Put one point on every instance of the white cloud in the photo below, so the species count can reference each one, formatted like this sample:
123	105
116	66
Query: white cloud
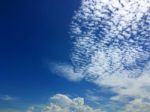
65	70
62	103
93	96
137	88
111	47
106	40
7	98
137	106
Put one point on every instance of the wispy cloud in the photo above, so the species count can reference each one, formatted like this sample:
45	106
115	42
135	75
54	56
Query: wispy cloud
7	98
11	110
93	96
66	70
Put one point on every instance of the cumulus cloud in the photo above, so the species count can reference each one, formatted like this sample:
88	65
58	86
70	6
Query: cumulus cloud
62	103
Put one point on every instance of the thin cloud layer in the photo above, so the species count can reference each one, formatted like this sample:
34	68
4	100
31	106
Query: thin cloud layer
11	110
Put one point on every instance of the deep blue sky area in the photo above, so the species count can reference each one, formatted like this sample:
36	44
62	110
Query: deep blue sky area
34	33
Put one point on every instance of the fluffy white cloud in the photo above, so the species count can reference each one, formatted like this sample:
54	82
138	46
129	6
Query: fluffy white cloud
62	103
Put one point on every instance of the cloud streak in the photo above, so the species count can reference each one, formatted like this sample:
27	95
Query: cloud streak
7	98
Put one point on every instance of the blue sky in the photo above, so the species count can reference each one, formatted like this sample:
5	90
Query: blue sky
67	53
33	33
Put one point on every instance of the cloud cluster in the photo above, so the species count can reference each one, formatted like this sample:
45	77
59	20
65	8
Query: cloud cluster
112	49
111	36
62	103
